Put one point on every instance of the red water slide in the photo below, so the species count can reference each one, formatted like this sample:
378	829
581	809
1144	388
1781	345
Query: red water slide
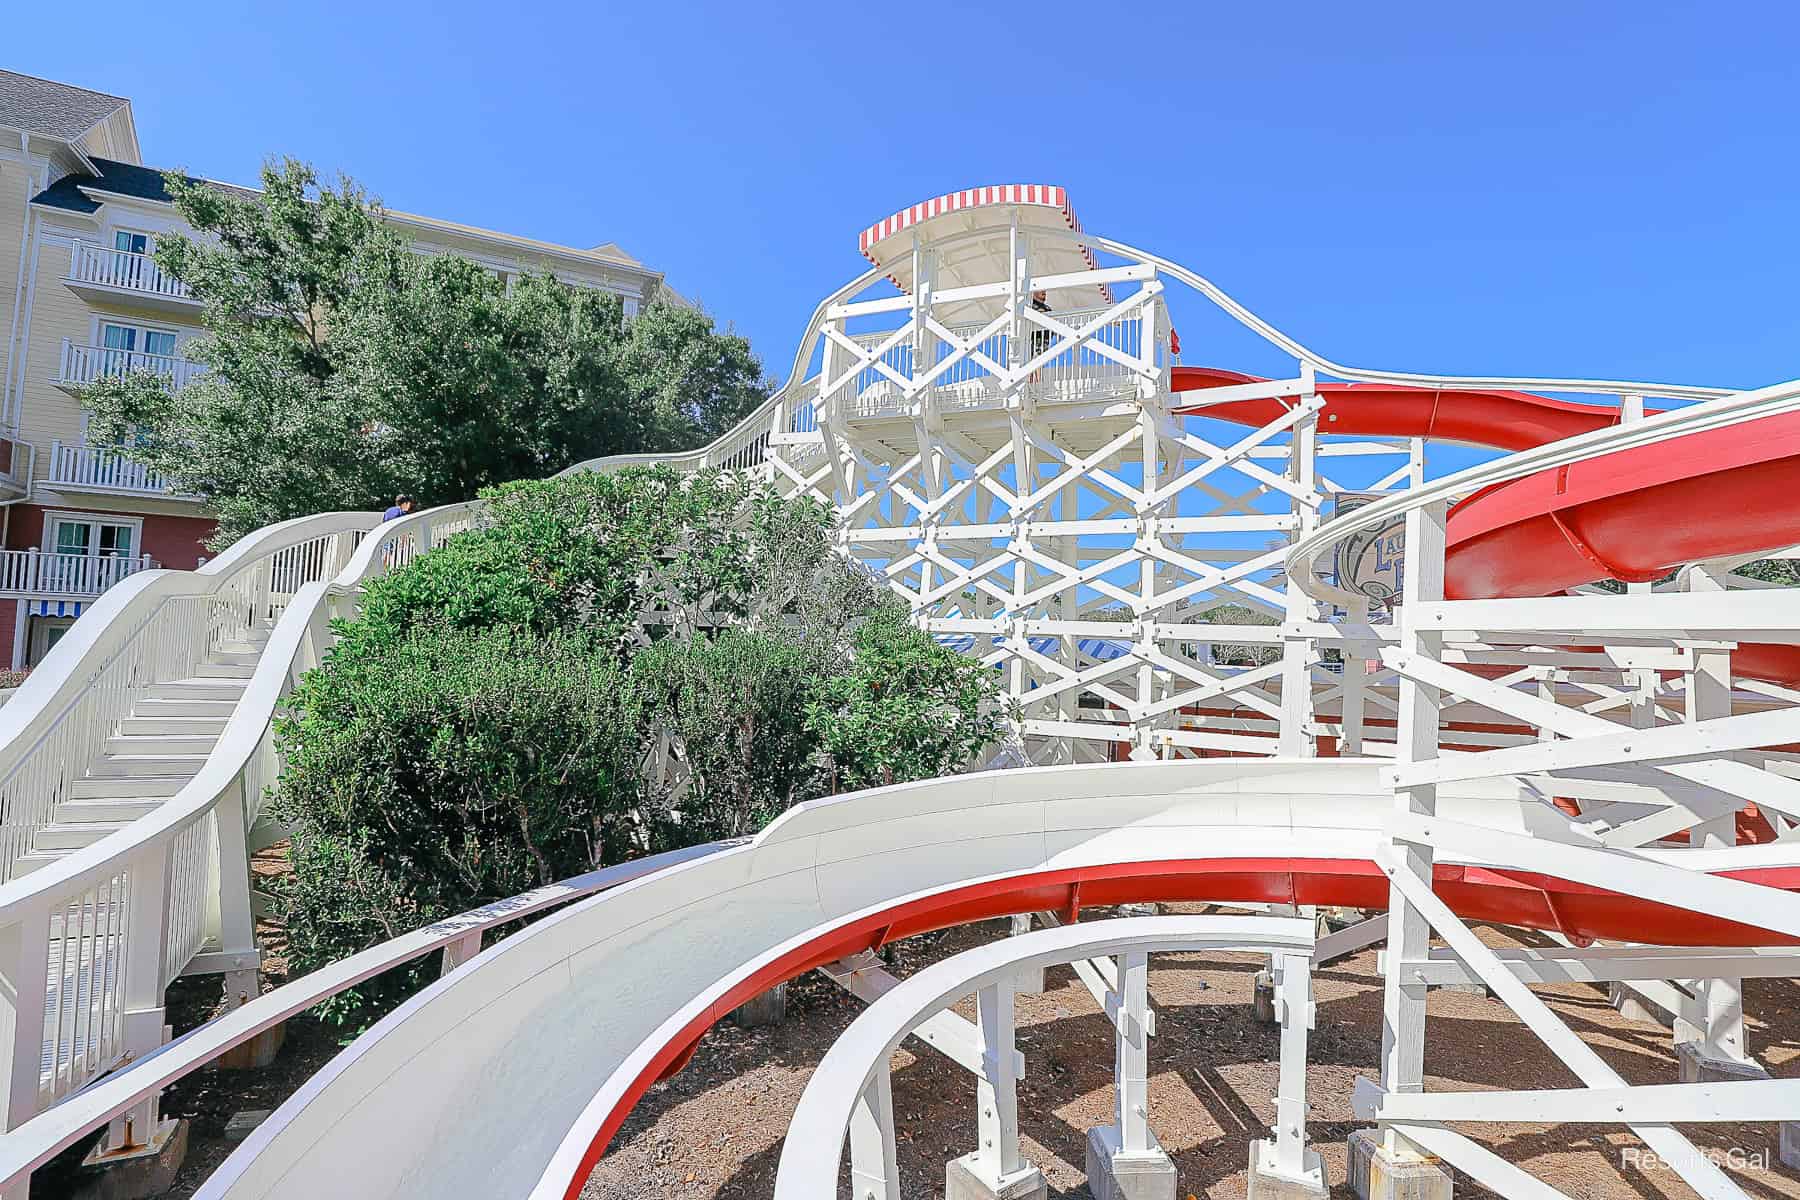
1632	515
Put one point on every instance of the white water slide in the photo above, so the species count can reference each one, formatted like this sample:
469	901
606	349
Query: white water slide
997	414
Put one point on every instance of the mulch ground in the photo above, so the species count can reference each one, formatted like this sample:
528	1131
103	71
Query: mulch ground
714	1131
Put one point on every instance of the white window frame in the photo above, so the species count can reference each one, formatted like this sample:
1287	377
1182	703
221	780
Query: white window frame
97	336
148	235
52	516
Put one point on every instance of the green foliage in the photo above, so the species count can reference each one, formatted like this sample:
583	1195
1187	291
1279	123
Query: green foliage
446	771
1782	571
905	708
595	551
607	666
344	367
731	711
1241	654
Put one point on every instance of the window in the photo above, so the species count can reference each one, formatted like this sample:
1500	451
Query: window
130	266
130	347
92	535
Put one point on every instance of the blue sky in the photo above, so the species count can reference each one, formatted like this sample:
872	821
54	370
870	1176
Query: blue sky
1583	189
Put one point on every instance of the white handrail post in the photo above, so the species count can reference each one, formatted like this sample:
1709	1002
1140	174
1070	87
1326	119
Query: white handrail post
141	1025
874	1160
460	951
237	924
1409	934
24	971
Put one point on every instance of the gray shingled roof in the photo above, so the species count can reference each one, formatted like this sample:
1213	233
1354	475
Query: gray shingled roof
53	109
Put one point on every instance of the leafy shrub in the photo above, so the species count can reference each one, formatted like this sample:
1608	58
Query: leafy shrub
904	708
596	551
447	771
729	712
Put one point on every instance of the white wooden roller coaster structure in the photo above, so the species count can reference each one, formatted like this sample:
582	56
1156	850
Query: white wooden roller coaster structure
1260	655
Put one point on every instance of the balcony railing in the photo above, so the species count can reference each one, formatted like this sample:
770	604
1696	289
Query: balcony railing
103	468
82	365
34	572
98	266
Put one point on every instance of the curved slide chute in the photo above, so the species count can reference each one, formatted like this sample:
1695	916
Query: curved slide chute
1632	515
567	1024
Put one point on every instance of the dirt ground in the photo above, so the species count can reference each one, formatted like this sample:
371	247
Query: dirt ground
714	1131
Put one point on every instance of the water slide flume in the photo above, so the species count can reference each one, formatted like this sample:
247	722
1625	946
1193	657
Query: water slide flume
1632	514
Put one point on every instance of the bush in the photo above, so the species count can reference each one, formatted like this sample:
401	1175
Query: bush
594	552
905	708
729	714
609	666
448	771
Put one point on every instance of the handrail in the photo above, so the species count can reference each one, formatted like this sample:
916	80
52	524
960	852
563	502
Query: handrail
249	720
1733	408
40	1139
809	1165
135	906
764	413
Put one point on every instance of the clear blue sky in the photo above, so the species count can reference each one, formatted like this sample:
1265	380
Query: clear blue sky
1592	188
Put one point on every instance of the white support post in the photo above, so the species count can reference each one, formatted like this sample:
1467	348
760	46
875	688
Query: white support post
1124	1158
1409	934
1355	690
1296	737
1131	1066
874	1161
1285	1159
997	1093
996	1169
141	1022
1722	1044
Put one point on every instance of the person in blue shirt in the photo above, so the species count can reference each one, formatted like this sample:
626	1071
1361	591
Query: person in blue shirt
403	504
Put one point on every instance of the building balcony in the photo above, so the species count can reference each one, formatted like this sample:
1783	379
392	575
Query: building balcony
37	573
98	274
83	365
107	470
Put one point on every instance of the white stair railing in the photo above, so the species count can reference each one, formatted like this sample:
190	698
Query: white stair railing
89	941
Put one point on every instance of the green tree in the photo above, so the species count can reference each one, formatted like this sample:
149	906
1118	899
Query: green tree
607	666
904	708
450	770
343	367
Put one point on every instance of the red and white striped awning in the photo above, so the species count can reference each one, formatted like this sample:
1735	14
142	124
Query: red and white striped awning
888	243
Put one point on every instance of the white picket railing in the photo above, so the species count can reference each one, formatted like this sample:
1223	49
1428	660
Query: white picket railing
121	269
82	365
106	467
89	941
47	573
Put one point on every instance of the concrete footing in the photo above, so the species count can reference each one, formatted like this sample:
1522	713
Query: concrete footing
770	1008
1633	1007
1376	1174
1266	1183
242	1124
1262	997
1030	980
1790	1144
1697	1066
138	1174
1113	1174
964	1181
